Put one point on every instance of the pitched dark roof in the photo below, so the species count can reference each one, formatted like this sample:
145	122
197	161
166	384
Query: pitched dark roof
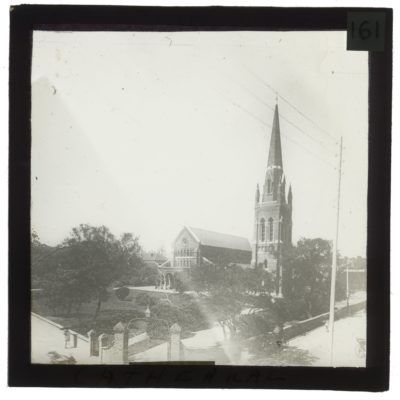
223	240
275	148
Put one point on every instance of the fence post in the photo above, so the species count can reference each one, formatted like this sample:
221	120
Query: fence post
103	343
120	348
93	344
174	345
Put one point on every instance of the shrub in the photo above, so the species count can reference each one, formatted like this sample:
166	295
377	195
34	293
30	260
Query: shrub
122	293
256	324
189	316
144	299
180	286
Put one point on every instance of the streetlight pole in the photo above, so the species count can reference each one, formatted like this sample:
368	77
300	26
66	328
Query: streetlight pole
334	261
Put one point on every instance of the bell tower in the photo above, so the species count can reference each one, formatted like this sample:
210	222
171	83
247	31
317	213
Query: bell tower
273	210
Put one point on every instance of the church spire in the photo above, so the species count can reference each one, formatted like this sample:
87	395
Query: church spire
257	194
290	196
275	149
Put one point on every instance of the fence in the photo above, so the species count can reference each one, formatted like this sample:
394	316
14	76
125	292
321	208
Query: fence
302	327
52	343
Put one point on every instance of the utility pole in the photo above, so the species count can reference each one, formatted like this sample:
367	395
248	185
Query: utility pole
256	246
279	260
334	261
347	285
256	215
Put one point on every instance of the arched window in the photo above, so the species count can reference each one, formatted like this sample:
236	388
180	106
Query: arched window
262	229
269	188
271	229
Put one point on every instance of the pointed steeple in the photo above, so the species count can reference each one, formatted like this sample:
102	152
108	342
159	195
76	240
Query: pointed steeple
257	194
283	187
275	149
290	195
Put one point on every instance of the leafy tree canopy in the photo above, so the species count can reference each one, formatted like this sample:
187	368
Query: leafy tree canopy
85	265
307	277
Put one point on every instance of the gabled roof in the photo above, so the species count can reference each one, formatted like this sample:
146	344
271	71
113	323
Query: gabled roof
216	239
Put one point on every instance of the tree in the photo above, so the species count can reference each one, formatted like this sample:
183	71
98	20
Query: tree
144	299
307	272
182	282
39	253
221	288
87	264
135	270
187	314
229	289
258	282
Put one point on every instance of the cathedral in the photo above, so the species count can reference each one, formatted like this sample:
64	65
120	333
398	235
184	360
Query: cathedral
272	209
272	229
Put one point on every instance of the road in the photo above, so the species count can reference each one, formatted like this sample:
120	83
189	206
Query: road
346	332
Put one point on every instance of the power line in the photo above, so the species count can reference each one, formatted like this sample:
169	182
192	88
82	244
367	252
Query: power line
291	104
308	151
251	114
280	114
285	136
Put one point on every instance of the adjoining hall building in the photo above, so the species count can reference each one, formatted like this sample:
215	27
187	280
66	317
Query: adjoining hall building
272	228
194	247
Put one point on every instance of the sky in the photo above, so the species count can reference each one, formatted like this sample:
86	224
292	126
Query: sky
146	132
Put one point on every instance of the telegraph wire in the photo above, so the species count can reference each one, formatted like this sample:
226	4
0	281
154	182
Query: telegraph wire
291	104
280	114
284	135
308	151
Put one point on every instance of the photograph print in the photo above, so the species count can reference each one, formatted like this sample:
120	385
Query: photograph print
198	196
